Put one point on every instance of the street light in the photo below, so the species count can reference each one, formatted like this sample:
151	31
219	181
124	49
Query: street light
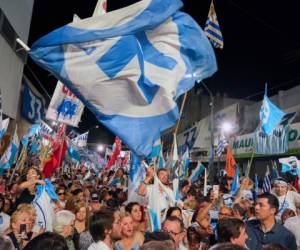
226	127
100	148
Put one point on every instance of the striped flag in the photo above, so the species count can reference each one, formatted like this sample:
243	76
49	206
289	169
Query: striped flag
212	28
221	146
267	182
196	173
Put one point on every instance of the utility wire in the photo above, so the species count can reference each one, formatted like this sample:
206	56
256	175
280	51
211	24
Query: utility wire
272	88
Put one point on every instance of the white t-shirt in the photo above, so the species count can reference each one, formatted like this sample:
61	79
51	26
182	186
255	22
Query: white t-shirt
288	201
4	222
100	245
163	199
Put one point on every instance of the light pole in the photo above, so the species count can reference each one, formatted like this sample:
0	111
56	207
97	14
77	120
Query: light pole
212	128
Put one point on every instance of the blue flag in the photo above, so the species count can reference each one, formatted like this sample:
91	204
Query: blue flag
235	186
129	66
256	187
270	115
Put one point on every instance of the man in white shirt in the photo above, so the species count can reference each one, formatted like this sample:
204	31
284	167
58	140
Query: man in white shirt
164	199
104	226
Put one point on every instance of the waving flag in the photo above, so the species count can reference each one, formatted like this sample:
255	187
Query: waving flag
81	140
128	66
230	163
221	146
235	186
3	128
9	155
212	28
267	182
290	164
270	115
64	107
196	173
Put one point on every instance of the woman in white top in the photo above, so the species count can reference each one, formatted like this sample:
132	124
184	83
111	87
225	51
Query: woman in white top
287	198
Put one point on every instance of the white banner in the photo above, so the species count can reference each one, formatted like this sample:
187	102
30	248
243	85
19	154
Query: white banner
244	144
65	107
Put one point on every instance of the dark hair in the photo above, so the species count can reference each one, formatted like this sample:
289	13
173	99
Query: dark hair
184	183
272	200
173	218
170	211
228	228
5	243
160	170
157	236
241	211
2	200
227	246
194	237
130	205
274	246
159	245
47	241
99	222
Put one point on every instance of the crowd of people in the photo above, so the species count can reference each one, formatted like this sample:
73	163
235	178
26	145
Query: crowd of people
95	213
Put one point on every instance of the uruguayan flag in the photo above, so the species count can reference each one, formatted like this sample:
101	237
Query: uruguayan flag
9	155
4	127
212	28
221	146
196	173
128	66
270	115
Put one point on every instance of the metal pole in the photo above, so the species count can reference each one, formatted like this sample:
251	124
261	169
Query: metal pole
212	127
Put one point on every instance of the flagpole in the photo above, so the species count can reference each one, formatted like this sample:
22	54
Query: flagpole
178	122
18	163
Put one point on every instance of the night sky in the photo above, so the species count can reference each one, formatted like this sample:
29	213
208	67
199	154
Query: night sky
261	43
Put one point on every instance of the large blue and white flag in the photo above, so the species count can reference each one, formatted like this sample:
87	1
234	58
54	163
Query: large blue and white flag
270	115
9	155
196	173
128	66
4	127
212	28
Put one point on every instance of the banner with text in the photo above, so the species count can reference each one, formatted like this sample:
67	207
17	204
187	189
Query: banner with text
32	104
